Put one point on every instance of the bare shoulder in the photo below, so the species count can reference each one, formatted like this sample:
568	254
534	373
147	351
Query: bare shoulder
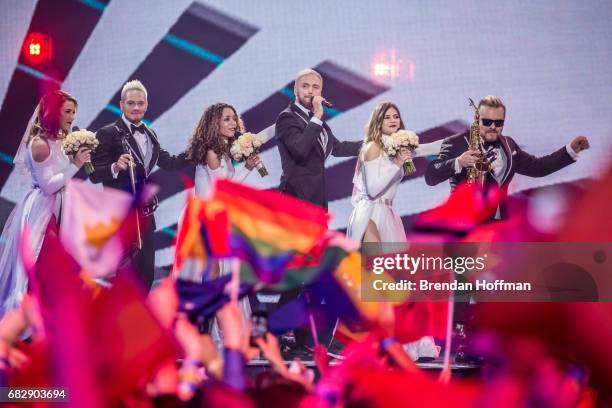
212	160
372	151
40	149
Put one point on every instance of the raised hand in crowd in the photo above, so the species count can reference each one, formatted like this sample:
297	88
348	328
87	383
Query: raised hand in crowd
235	335
163	302
389	344
14	324
321	358
270	349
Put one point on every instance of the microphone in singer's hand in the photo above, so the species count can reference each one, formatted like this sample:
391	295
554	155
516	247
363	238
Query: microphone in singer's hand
326	103
76	128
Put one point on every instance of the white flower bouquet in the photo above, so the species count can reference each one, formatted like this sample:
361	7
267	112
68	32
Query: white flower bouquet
399	139
80	138
246	145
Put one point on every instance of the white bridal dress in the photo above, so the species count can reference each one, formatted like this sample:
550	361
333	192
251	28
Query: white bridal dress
44	200
374	189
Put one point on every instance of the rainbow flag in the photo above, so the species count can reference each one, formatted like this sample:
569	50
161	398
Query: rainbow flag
202	300
324	257
343	294
340	289
266	228
199	238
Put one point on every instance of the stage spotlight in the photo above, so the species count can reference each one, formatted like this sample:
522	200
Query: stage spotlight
388	65
38	48
381	69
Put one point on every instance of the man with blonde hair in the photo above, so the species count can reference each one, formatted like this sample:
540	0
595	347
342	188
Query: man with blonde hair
305	141
506	157
130	140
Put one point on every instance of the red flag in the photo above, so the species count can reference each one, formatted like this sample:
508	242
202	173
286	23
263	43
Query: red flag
467	207
64	305
380	387
129	341
573	332
414	320
588	220
102	347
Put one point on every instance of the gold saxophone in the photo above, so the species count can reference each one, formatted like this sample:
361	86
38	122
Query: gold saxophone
477	172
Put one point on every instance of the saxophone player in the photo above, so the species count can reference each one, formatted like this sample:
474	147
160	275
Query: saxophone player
505	155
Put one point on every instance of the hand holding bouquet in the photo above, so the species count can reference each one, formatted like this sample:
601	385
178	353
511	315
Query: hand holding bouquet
245	146
78	139
402	139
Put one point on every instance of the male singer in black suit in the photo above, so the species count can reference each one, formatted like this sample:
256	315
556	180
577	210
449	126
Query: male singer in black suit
509	158
127	140
305	141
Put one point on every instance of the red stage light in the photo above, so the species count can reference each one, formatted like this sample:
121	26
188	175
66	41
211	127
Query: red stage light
38	48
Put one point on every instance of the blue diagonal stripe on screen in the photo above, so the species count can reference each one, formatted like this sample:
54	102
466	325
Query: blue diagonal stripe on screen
6	158
288	93
200	40
113	108
37	74
170	231
98	5
193	48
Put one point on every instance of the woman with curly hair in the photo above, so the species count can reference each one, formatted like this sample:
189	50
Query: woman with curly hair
209	150
210	144
41	160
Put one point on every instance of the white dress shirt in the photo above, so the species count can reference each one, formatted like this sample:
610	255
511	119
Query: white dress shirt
141	139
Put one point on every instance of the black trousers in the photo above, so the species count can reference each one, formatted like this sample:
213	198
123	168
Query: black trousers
325	321
146	256
325	325
141	262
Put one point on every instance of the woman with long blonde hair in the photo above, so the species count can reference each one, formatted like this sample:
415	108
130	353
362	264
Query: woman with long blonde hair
377	177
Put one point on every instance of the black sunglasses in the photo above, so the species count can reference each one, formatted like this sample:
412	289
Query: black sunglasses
489	122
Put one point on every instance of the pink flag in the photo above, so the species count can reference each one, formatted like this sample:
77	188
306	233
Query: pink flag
90	220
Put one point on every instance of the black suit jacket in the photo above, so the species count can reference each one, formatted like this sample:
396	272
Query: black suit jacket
111	147
303	158
519	161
